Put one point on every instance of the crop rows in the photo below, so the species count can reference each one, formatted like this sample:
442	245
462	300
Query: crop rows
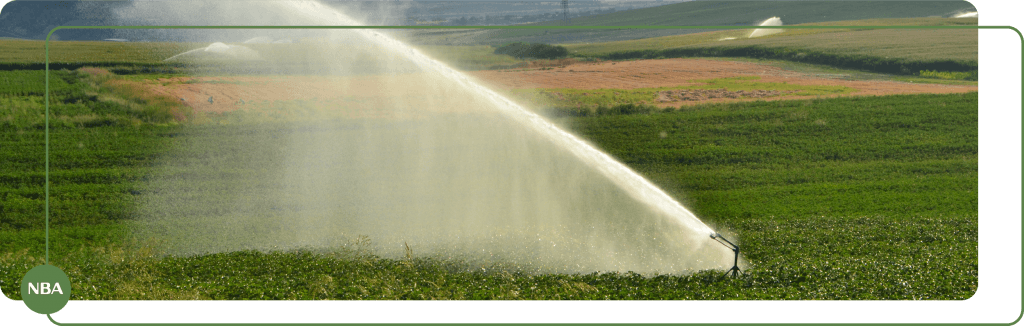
93	53
78	99
583	102
33	82
848	198
713	38
904	52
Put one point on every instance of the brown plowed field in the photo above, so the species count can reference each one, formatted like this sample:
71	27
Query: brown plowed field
684	72
218	94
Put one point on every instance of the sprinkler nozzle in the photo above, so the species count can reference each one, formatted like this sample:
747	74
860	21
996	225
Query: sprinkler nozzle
735	249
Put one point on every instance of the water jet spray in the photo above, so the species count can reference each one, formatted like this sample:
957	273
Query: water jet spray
774	21
472	174
735	249
971	14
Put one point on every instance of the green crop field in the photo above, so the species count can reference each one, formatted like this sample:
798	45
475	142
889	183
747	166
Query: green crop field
19	53
697	13
849	39
889	51
893	51
147	58
915	45
581	101
848	198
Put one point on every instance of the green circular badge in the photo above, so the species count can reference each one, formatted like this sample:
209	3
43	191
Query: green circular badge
45	289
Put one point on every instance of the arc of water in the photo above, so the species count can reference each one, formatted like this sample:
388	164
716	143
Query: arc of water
774	21
637	187
185	53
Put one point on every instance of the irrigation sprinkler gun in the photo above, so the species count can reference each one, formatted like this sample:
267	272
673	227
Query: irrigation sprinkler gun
735	249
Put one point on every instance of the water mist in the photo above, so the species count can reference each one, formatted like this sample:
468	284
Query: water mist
404	151
971	14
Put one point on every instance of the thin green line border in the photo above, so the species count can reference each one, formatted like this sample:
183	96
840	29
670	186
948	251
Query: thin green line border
47	145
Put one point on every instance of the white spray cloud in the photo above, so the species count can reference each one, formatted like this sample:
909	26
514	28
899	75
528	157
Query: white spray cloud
469	175
774	21
216	50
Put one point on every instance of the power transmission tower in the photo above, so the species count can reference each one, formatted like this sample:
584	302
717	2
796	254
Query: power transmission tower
565	11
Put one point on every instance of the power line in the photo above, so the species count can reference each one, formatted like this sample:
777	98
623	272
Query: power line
565	11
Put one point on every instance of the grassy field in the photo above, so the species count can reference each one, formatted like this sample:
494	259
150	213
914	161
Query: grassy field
148	57
19	53
697	13
562	99
715	38
899	52
903	52
911	45
849	198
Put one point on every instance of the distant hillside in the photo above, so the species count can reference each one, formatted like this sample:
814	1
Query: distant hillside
700	13
739	37
890	51
34	19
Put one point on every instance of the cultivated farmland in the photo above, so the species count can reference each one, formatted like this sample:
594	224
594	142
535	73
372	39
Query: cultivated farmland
835	187
905	173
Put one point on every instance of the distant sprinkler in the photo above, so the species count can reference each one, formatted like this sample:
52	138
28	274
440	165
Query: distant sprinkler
774	21
735	249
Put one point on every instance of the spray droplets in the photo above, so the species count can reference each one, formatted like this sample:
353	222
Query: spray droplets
478	182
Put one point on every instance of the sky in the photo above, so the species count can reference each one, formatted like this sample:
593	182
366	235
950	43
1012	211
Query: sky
32	18
452	8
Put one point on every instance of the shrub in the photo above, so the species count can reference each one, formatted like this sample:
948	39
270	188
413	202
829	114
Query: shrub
620	109
533	50
631	108
956	75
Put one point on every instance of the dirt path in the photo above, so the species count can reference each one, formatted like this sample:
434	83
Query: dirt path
220	94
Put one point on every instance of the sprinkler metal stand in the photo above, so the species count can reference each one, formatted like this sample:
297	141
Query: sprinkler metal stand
735	249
